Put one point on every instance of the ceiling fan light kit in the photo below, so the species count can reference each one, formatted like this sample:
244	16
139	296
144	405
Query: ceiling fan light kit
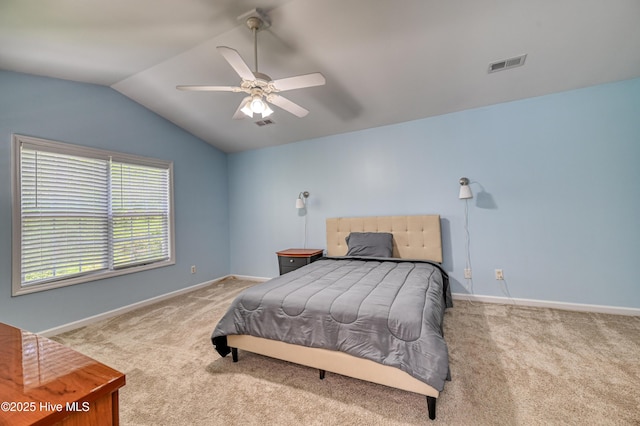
255	105
262	90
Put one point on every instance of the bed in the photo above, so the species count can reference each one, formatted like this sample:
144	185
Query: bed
372	309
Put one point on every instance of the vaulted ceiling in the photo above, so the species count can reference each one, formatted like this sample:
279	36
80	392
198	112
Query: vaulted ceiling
385	61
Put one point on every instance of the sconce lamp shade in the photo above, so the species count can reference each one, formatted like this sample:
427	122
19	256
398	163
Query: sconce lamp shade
300	203
465	190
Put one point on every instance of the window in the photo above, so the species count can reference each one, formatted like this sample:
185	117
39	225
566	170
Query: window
82	214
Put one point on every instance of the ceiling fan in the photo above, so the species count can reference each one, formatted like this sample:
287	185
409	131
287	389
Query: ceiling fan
262	90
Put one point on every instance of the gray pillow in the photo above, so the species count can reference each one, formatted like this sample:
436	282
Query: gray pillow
371	244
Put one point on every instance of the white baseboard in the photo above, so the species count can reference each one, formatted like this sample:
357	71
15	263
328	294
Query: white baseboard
603	309
119	311
580	307
250	278
472	297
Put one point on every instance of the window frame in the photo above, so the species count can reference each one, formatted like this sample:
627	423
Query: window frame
82	151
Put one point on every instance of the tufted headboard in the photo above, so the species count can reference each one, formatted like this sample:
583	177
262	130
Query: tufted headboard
414	237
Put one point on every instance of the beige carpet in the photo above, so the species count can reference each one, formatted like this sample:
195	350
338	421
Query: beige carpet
510	366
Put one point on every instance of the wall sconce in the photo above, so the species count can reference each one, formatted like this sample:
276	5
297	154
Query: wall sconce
300	202
465	190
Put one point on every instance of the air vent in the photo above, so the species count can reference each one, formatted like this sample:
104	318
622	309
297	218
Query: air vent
507	63
264	122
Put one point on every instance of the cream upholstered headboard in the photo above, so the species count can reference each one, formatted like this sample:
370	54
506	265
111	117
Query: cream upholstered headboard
414	237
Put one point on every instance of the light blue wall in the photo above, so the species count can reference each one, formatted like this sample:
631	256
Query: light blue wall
555	180
100	117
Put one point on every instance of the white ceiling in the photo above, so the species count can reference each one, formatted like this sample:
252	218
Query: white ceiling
385	61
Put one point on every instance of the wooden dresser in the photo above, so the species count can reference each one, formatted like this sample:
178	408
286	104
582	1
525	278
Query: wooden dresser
45	383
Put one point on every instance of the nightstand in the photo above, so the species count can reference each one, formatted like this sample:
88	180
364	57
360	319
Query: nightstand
292	259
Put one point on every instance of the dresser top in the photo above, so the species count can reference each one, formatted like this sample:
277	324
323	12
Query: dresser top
38	374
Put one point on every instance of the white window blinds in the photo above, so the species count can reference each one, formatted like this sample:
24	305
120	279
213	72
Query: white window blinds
64	215
140	214
85	214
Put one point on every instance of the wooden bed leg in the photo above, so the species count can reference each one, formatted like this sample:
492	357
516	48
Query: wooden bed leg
234	354
322	374
431	405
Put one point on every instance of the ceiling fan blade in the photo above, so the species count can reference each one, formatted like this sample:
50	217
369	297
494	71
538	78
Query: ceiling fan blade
287	105
239	114
299	82
209	88
236	62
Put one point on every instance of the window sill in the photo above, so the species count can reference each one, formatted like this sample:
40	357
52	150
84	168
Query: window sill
19	290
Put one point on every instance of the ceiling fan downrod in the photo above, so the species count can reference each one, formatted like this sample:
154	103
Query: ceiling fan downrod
254	23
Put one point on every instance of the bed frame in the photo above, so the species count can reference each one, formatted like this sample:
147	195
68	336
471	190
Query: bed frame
414	237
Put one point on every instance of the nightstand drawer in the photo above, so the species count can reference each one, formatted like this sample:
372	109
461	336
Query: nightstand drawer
294	262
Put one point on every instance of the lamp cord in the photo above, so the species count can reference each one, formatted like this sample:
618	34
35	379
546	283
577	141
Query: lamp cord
467	235
469	285
305	228
503	287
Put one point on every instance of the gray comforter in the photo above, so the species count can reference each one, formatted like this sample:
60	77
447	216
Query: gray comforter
388	311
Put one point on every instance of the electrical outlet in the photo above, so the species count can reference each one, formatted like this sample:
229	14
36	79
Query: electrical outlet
499	274
467	273
193	269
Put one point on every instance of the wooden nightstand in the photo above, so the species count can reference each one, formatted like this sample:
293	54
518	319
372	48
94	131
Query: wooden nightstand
292	259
